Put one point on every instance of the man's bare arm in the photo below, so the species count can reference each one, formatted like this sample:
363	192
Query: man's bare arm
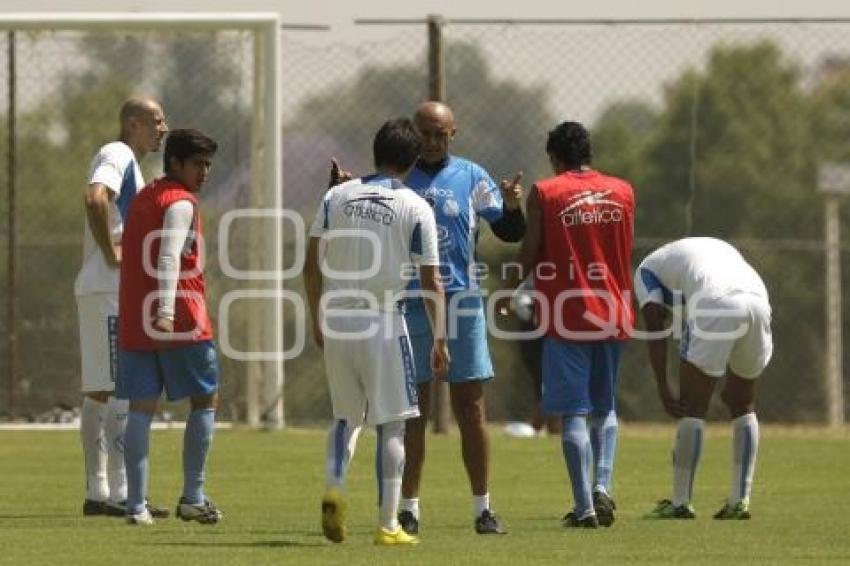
313	287
529	251
98	198
655	317
435	305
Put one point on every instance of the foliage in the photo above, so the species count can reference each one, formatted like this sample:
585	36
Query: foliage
733	154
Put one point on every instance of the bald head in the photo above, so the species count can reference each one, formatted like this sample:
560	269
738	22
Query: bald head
436	122
138	107
142	124
433	110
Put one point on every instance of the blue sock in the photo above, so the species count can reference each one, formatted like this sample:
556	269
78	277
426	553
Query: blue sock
603	439
577	453
136	447
196	444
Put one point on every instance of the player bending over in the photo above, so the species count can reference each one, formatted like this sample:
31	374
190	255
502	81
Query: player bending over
726	333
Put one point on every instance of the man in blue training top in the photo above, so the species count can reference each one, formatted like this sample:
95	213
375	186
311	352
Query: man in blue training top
460	192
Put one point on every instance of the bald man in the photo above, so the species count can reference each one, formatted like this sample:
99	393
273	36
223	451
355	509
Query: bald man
114	178
460	192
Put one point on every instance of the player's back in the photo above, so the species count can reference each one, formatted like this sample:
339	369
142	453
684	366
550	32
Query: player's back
708	266
372	230
588	228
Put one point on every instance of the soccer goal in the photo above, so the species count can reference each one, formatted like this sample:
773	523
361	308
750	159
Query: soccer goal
63	78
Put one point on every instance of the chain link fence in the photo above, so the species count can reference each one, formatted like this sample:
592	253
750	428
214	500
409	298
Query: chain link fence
720	127
69	86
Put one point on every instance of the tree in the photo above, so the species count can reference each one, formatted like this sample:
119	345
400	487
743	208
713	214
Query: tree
622	137
738	135
734	155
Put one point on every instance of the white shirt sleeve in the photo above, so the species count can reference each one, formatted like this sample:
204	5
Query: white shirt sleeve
176	226
424	246
648	287
109	169
321	222
486	197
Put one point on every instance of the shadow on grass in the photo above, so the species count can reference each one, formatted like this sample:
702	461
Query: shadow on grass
255	544
42	516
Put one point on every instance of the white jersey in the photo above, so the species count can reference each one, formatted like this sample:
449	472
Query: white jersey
374	230
706	267
114	166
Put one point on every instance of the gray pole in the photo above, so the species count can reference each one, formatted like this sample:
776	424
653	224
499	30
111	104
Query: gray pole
834	349
437	91
12	295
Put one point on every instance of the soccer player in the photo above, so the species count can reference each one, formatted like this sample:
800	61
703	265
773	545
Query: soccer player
460	192
114	179
578	246
726	333
164	331
364	233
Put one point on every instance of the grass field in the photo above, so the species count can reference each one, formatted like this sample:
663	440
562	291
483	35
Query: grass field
269	485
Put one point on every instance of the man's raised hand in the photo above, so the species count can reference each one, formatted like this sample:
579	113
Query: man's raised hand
512	192
337	174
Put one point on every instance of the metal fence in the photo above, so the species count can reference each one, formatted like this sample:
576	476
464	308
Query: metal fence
68	87
721	127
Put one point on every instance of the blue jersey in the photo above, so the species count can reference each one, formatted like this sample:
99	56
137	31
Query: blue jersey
460	193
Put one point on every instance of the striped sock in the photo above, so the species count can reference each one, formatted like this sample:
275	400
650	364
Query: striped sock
197	439
136	448
686	456
342	440
577	454
603	439
745	443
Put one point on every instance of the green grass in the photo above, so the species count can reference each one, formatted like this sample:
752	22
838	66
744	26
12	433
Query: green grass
269	486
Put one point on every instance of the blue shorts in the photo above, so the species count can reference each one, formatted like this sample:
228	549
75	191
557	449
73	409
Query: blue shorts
470	355
183	372
580	378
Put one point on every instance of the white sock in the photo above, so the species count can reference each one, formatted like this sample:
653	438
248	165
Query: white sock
480	503
686	455
94	453
342	440
390	469
114	424
745	444
411	505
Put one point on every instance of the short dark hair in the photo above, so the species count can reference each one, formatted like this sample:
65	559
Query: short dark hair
184	143
570	143
397	144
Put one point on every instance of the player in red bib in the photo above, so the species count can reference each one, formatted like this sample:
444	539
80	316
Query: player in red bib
164	331
578	245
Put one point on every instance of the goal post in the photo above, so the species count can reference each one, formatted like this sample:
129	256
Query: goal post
245	116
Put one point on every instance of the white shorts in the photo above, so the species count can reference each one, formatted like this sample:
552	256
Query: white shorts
371	379
98	318
735	334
